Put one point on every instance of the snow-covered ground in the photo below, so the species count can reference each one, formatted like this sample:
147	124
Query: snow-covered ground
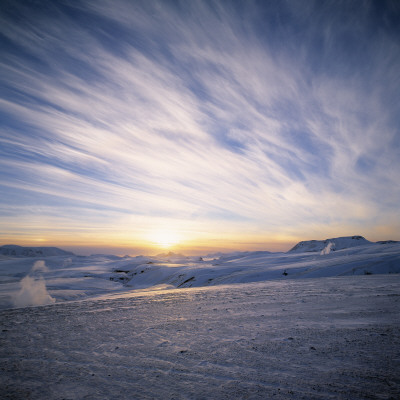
43	280
327	338
318	323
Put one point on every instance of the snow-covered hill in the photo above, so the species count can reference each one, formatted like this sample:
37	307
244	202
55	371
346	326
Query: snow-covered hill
333	244
68	277
12	250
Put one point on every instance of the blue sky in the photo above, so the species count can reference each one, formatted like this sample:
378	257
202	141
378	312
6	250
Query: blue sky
204	124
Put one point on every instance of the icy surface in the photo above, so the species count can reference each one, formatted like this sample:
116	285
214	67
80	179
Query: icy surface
327	338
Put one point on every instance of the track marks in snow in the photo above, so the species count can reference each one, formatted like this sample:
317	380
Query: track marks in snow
314	339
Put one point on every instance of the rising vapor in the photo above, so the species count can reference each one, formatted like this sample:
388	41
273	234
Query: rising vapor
33	290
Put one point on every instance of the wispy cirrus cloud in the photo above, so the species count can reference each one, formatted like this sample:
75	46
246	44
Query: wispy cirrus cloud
258	119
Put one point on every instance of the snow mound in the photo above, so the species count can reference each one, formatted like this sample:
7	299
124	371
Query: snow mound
19	251
335	244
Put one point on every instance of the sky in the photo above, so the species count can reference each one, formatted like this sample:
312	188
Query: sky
197	126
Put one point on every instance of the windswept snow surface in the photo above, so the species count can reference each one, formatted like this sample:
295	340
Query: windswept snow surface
241	325
328	338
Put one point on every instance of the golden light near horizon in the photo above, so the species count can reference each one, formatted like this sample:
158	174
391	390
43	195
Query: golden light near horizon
153	158
39	240
164	238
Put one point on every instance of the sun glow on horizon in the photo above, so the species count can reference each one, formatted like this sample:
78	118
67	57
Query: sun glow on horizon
164	238
209	141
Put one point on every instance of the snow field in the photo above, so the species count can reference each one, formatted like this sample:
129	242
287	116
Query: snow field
28	281
298	339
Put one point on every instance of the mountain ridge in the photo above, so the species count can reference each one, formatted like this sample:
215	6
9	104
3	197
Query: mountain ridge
13	250
332	244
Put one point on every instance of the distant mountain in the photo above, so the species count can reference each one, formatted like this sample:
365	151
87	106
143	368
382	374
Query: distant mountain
171	255
235	255
330	244
13	250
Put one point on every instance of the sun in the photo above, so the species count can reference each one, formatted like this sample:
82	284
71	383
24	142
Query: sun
165	238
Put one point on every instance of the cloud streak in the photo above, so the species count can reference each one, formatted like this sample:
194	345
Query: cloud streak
260	118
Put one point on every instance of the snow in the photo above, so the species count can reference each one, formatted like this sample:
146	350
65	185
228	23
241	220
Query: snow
335	244
259	325
298	339
71	277
19	251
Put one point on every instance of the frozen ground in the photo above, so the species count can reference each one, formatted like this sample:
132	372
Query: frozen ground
324	338
319	322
